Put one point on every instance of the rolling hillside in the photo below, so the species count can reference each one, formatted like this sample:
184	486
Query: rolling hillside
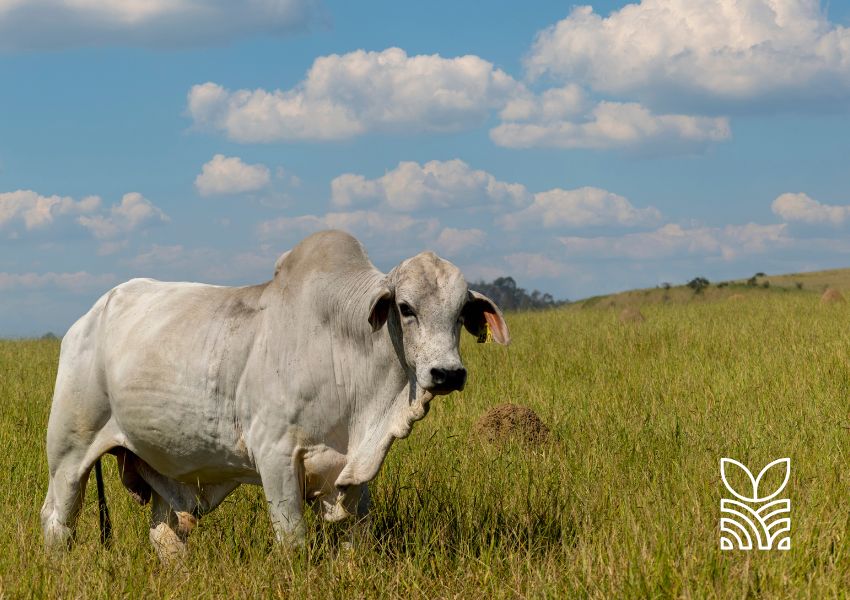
814	282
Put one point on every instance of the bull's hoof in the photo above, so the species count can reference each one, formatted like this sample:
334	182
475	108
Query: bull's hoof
294	540
168	545
58	539
186	523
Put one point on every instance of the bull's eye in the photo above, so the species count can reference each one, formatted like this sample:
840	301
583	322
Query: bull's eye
405	310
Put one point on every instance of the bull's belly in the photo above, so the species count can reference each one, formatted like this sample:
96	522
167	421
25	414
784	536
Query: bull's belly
182	440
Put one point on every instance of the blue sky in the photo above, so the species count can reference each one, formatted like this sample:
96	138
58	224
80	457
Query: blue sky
582	150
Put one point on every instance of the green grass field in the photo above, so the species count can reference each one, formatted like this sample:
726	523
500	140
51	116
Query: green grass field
624	505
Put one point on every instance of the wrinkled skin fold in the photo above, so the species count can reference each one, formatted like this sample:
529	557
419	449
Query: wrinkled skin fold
300	384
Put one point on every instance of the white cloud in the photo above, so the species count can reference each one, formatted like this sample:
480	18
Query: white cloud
108	248
229	175
673	240
436	184
134	212
204	263
453	241
725	50
347	95
288	226
554	104
804	209
35	211
290	179
78	282
489	271
350	188
361	223
158	255
582	207
536	266
40	24
26	210
606	125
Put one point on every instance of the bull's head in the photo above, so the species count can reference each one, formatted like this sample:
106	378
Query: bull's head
424	303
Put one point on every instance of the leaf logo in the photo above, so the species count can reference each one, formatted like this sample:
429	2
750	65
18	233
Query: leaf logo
726	464
755	519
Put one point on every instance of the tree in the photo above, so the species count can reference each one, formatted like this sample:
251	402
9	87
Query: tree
698	284
505	292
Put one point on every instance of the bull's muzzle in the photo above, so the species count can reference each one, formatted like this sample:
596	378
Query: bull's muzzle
447	380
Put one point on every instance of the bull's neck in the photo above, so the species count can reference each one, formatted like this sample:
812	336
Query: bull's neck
371	396
387	415
377	405
368	367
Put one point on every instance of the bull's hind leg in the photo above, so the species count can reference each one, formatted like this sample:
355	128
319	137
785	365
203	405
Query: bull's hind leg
176	508
166	534
70	462
62	505
79	431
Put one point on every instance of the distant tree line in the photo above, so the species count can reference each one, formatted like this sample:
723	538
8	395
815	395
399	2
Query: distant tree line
508	296
698	284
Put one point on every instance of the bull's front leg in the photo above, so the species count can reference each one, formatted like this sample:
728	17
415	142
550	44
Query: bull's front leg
359	529
280	473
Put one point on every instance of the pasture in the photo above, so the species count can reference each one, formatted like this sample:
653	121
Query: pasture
624	504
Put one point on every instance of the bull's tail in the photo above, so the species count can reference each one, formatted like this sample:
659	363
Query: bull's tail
102	509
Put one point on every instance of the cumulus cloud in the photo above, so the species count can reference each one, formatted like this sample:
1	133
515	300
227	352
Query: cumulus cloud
436	184
224	175
35	211
673	240
724	50
79	282
132	213
801	208
453	241
554	104
157	255
27	211
347	95
360	223
53	24
606	125
536	266
177	261
582	207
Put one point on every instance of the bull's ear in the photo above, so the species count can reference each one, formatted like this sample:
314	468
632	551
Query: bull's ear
380	308
481	312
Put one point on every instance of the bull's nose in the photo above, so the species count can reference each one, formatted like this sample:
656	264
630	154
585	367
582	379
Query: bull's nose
448	379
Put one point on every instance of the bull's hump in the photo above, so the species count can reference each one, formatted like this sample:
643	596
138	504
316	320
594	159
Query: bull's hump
329	251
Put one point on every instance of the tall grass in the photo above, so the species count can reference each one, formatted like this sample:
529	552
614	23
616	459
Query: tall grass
624	503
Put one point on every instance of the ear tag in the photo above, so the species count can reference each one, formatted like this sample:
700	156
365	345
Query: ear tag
486	336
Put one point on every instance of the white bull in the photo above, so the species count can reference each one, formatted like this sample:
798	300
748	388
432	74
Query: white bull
300	384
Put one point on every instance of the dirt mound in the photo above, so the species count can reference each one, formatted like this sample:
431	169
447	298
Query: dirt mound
631	314
512	422
832	296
